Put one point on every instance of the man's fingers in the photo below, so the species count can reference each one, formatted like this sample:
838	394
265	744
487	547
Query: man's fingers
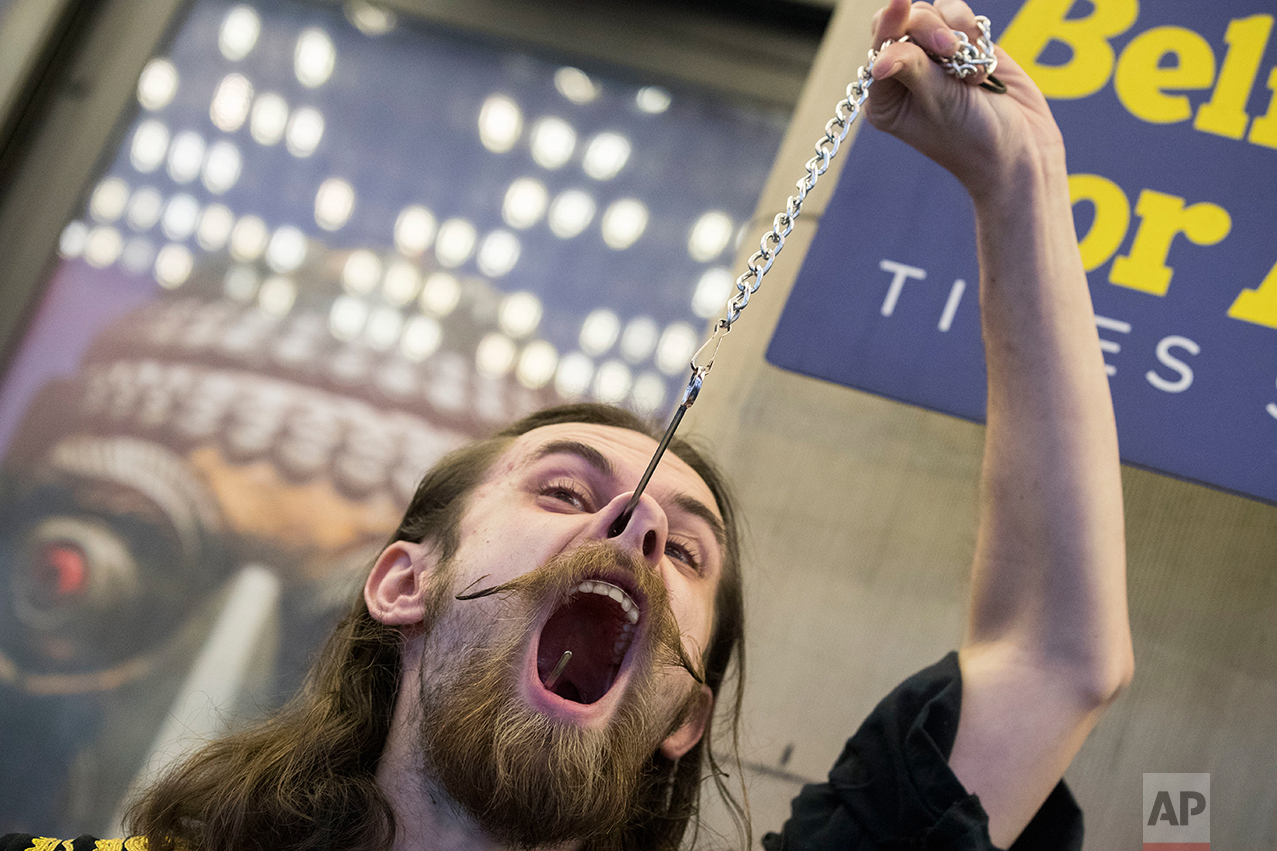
930	31
907	64
957	15
890	21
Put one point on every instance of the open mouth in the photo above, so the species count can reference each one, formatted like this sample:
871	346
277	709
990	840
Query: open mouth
595	625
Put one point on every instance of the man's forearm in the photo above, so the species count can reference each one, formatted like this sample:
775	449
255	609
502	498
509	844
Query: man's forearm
1050	560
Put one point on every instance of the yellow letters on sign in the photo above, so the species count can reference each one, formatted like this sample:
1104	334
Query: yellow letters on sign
1259	305
1112	217
1162	218
1264	130
1225	113
1039	22
1141	81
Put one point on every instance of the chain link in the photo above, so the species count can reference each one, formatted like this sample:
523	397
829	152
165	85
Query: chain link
970	58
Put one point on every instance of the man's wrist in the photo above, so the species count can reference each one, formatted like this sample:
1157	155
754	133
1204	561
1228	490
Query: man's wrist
1034	176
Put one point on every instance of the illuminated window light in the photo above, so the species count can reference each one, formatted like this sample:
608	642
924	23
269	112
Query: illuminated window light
606	155
414	230
649	393
519	314
383	327
173	265
277	295
157	85
612	382
346	318
361	273
500	123
334	202
573	375
231	102
712	292
144	209
639	339
676	347
304	132
108	200
222	167
440	294
455	242
150	141
599	331
369	19
652	99
571	213
402	283
268	119
553	141
238	33
498	253
525	203
709	236
103	246
421	338
240	284
137	254
286	250
314	58
215	227
495	354
71	242
536	366
185	156
181	214
575	85
248	239
623	223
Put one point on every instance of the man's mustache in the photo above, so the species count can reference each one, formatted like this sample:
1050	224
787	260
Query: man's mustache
562	573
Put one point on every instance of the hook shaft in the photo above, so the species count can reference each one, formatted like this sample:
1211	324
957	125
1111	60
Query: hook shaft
623	519
558	670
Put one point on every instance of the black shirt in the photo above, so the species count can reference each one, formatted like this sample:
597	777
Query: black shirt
892	788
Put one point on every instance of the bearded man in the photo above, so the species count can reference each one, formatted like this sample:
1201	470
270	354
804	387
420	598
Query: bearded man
513	676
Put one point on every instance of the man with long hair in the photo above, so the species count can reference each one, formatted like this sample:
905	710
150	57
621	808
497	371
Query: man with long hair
515	676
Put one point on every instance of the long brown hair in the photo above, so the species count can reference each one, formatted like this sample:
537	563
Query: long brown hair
305	778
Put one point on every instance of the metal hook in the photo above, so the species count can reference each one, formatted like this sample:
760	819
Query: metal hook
690	393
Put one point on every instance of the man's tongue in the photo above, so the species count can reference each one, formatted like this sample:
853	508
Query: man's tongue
594	628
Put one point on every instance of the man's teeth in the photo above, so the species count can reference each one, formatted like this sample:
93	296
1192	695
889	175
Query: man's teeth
607	589
622	643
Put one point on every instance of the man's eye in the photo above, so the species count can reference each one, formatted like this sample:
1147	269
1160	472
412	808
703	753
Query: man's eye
569	494
683	554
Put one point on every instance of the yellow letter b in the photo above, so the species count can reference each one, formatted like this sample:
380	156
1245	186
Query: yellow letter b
1040	22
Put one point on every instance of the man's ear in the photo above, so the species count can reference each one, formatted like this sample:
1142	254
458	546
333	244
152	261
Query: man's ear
689	733
396	587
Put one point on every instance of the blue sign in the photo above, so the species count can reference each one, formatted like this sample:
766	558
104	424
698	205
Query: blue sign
1169	114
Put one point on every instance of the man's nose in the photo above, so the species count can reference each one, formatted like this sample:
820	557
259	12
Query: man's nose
646	530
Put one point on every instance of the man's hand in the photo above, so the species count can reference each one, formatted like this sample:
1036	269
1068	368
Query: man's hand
974	133
1048	642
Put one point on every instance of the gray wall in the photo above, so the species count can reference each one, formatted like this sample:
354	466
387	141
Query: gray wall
861	516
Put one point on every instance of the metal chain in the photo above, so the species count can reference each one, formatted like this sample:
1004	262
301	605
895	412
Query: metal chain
969	59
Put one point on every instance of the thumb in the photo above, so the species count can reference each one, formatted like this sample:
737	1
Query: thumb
907	64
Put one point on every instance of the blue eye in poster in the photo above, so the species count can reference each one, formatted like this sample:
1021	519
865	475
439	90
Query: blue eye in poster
1169	116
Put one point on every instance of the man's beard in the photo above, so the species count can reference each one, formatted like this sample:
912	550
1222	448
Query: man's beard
529	779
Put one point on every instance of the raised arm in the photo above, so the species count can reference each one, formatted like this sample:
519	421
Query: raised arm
1048	641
